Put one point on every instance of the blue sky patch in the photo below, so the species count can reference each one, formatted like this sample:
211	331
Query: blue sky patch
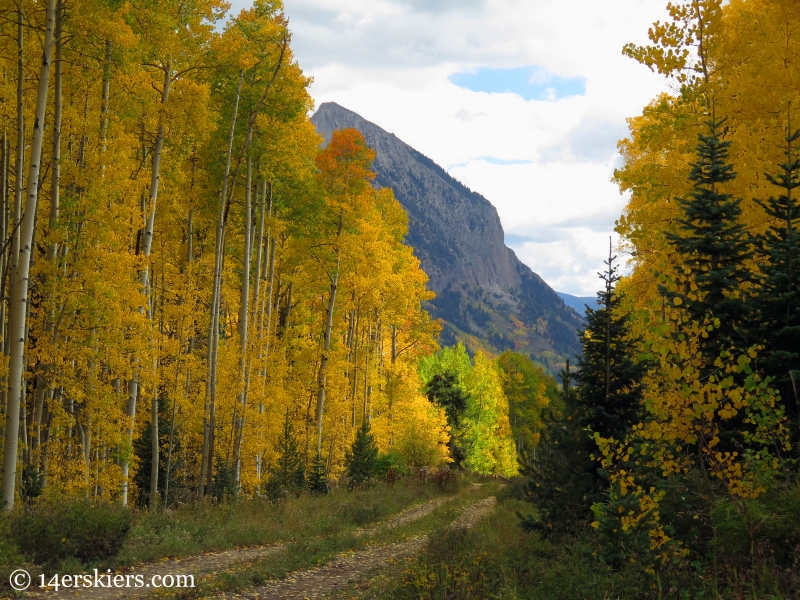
532	83
502	161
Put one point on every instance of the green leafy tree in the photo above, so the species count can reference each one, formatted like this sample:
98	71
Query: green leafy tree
530	391
444	389
362	459
486	431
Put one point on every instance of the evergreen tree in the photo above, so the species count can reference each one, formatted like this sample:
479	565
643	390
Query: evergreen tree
560	481
224	483
609	378
317	482
566	478
714	245
289	473
362	459
777	301
143	450
444	389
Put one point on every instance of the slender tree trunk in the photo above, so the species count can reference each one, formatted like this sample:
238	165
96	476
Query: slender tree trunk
609	291
168	468
155	451
213	334
19	180
257	301
323	366
225	205
259	254
55	182
244	313
20	293
4	168
145	245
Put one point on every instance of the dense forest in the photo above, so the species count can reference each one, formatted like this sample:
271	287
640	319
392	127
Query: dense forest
200	305
186	274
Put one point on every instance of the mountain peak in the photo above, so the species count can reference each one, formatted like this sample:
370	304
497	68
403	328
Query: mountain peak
483	291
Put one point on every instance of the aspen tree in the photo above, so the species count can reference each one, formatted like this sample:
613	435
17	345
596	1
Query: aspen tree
213	334
20	291
145	246
244	313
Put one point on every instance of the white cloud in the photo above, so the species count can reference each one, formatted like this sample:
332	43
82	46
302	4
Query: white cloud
389	61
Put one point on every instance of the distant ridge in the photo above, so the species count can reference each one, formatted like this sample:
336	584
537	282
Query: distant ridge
486	297
578	303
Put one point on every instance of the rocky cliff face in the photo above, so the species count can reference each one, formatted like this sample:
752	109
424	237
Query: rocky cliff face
484	293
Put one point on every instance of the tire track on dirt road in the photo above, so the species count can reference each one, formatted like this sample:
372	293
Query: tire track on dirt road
341	571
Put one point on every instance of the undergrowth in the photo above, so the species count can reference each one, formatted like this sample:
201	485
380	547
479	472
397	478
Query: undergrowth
66	537
497	559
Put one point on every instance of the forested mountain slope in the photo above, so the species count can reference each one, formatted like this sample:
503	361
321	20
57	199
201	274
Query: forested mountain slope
485	295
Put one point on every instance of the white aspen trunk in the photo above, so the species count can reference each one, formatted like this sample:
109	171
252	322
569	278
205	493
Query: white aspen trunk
323	363
20	293
154	447
367	340
244	313
251	122
269	276
257	301
394	343
213	333
168	467
145	246
3	237
244	302
260	253
55	182
19	182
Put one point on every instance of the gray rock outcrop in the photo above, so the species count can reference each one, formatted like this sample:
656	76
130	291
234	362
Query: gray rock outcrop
483	290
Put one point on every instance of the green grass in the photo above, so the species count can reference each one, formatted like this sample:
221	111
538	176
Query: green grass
195	529
496	559
311	552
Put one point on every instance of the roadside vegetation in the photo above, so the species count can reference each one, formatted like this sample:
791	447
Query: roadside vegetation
77	536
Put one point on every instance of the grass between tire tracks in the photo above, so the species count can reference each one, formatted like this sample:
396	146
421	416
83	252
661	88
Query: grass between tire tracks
496	559
196	529
312	552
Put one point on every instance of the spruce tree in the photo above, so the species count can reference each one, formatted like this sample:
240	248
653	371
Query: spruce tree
143	450
362	459
567	479
289	473
714	245
777	301
317	482
609	378
224	482
561	482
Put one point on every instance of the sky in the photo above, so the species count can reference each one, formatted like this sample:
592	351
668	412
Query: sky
523	101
